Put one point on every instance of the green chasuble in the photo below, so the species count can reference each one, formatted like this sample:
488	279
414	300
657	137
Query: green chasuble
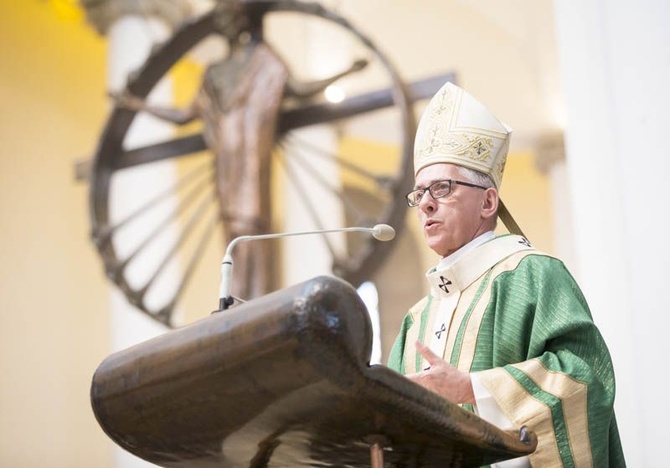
522	324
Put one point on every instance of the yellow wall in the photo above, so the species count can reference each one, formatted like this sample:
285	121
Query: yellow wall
526	193
54	319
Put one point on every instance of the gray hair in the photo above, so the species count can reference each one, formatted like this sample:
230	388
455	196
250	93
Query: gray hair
476	177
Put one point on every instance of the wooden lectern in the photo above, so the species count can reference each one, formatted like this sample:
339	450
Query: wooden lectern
284	381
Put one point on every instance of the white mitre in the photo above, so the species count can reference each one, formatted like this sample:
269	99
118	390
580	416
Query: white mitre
456	128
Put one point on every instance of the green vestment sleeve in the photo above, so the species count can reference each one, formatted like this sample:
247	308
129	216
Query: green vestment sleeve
547	366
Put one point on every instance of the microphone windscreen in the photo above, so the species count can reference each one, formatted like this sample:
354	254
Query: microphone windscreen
383	232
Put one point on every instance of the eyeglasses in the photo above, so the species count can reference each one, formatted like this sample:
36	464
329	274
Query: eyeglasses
438	189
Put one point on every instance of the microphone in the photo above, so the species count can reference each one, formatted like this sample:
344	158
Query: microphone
382	232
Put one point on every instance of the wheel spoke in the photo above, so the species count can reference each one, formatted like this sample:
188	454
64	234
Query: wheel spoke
196	177
304	195
349	206
382	181
185	233
196	256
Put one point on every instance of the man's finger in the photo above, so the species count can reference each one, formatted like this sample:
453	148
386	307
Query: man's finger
427	354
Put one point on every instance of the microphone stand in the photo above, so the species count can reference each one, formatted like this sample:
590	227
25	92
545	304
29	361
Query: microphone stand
381	232
225	302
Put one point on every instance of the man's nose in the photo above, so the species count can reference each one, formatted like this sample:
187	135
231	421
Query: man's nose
427	202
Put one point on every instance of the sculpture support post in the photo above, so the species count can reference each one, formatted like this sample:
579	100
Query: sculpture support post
376	456
377	443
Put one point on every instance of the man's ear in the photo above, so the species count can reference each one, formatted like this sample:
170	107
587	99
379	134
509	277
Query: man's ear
490	203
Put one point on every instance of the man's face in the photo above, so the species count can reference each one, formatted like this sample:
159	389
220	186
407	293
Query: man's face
450	222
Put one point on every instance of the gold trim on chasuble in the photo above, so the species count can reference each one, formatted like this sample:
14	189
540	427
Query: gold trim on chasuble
416	333
464	278
520	409
474	314
517	404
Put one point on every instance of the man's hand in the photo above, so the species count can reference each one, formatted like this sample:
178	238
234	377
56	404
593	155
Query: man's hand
443	378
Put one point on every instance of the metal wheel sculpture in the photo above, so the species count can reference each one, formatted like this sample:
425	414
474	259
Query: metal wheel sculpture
188	207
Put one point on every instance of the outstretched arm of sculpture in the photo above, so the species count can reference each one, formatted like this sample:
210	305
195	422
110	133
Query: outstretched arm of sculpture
305	89
169	114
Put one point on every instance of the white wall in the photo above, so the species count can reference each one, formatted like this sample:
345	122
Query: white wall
615	69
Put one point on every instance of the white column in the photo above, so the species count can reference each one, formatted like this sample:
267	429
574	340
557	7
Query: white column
549	150
615	70
133	28
130	40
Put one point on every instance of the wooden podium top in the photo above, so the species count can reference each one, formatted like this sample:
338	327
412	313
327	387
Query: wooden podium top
284	381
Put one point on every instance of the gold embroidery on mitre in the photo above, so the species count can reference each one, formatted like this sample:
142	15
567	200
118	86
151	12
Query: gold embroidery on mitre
456	128
446	102
475	147
499	169
434	143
